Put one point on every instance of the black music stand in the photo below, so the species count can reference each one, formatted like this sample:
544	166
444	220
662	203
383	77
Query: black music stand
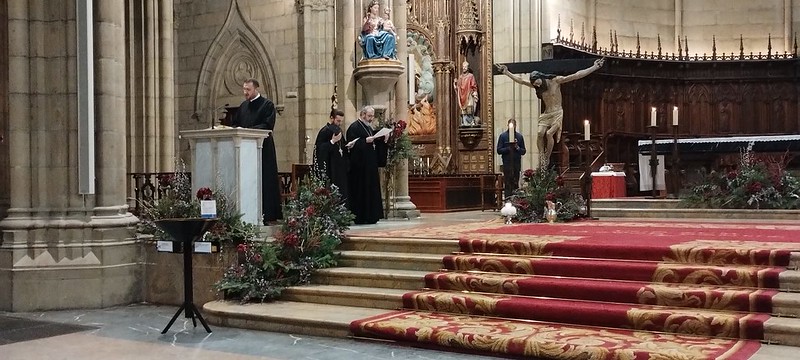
186	231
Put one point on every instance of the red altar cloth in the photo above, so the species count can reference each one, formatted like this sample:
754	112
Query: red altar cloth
608	184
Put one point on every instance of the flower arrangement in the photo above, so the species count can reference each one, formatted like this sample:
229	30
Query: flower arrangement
757	182
399	145
313	226
178	201
540	188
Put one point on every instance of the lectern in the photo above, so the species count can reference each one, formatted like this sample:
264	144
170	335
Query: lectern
229	159
186	231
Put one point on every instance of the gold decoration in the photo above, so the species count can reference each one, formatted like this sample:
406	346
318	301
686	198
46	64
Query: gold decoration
678	296
685	322
488	283
720	252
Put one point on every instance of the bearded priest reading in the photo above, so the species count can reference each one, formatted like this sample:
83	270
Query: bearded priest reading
366	156
258	112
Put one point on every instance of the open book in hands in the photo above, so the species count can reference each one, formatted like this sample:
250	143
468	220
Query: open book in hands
352	143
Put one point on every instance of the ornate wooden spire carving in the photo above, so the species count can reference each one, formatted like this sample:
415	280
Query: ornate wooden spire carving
469	29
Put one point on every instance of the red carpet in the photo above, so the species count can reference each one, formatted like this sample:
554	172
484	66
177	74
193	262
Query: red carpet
638	317
546	340
673	242
631	292
597	290
747	276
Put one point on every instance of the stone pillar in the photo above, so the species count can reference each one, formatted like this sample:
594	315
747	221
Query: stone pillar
166	85
346	54
403	207
317	71
61	249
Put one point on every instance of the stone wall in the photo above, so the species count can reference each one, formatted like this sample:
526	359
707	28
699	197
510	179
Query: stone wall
516	39
221	43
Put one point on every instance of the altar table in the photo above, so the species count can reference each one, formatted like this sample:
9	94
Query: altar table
608	184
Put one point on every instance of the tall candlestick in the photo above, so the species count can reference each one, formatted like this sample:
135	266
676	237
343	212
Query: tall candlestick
653	115
586	130
411	70
675	115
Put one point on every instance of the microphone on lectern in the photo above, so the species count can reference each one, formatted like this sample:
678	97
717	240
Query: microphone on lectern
214	114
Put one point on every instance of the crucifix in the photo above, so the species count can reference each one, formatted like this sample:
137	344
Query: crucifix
548	88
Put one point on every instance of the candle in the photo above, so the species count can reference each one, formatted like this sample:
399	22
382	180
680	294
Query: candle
674	116
586	130
510	128
411	70
653	116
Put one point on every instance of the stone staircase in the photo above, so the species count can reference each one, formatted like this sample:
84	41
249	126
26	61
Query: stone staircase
373	275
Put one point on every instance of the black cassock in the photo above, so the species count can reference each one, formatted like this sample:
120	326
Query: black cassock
260	114
332	157
365	186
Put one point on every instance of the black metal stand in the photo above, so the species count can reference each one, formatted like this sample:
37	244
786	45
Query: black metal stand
186	231
676	163
587	176
653	160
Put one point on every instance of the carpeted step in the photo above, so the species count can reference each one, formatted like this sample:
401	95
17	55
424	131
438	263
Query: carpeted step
746	276
714	323
703	243
545	340
631	292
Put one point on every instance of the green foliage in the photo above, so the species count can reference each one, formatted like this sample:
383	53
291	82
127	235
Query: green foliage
543	185
313	226
758	182
179	202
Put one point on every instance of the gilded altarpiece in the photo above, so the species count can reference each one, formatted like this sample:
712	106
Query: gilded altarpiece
444	37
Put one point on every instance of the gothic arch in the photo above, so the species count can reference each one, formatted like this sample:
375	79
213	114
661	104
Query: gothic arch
237	52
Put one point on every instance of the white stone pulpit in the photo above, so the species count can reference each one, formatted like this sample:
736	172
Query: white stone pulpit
229	159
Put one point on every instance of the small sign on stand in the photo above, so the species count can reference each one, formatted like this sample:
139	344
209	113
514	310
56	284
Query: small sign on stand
208	209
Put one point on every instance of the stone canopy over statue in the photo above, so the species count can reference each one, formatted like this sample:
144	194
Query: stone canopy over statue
378	35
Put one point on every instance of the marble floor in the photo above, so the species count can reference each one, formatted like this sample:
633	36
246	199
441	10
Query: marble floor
134	332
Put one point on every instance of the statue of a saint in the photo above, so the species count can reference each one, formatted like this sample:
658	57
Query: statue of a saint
378	36
467	94
548	88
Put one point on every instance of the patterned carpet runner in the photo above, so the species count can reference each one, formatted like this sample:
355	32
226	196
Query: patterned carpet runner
597	290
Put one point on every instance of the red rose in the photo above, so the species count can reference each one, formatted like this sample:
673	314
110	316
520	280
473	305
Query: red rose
204	193
292	222
323	191
291	240
528	173
754	187
732	175
559	181
241	248
310	210
550	197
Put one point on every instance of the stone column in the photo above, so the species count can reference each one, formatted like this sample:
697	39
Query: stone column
317	71
61	249
403	207
346	54
166	85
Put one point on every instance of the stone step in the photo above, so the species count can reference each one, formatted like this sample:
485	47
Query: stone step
401	245
384	260
287	317
656	213
369	297
371	277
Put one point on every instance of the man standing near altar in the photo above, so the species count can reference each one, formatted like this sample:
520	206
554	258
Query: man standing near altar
511	147
258	112
366	156
548	89
331	153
